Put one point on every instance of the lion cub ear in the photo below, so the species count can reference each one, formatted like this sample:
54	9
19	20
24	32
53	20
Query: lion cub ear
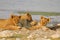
12	16
27	14
48	19
42	17
19	16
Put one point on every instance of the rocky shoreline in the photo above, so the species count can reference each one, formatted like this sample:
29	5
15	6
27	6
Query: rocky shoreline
25	34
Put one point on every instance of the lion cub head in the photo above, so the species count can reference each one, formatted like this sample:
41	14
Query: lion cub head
26	16
44	21
14	19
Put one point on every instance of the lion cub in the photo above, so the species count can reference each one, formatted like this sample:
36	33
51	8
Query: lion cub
10	23
43	22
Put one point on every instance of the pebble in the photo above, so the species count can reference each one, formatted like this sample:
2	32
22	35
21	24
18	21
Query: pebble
55	36
17	38
3	38
42	39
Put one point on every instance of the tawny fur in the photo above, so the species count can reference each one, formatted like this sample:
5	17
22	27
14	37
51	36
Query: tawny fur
10	23
43	22
26	16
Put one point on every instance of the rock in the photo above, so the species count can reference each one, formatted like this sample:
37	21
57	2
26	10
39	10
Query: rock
55	36
24	31
3	39
18	39
44	28
45	36
42	39
58	24
30	36
6	33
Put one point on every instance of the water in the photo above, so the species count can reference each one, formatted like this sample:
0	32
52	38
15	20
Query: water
6	14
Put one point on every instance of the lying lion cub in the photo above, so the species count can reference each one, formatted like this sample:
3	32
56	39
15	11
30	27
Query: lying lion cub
43	22
10	23
25	20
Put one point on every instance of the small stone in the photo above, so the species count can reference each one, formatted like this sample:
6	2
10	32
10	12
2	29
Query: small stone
48	39
55	36
42	39
3	38
45	36
30	36
17	38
